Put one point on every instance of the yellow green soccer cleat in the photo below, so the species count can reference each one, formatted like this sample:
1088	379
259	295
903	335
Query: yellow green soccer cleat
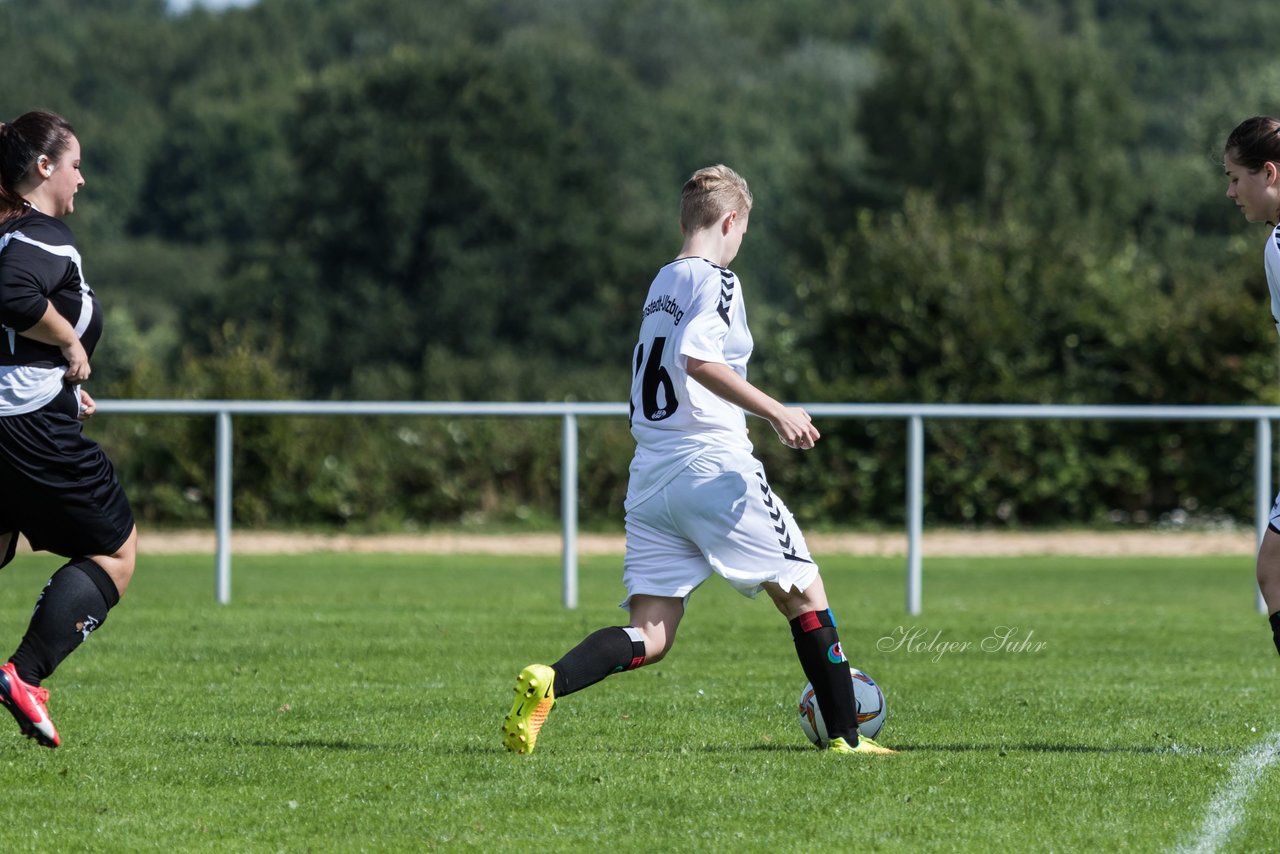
864	745
535	695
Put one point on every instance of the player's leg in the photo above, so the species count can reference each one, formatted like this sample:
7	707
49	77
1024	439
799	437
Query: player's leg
817	642
74	603
822	658
91	523
27	703
646	640
119	564
1269	577
751	539
602	653
660	571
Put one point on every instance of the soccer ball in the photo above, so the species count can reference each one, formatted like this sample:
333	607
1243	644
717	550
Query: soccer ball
868	700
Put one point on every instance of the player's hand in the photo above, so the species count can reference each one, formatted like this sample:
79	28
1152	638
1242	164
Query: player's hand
87	405
795	428
77	362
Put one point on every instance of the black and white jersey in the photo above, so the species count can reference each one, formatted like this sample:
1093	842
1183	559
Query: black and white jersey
39	265
693	309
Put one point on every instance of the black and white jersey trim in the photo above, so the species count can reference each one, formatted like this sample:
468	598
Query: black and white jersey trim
727	283
779	524
71	254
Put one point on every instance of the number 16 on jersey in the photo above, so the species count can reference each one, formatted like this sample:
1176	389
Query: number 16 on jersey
657	391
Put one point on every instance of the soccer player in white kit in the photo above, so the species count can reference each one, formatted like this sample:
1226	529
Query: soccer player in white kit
698	502
1251	159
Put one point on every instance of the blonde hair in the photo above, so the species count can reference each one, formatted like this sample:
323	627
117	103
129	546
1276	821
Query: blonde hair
709	194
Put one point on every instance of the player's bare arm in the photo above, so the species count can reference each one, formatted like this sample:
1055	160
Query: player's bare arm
53	328
793	425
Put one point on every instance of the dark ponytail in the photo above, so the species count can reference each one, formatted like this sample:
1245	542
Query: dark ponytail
22	141
1255	142
11	203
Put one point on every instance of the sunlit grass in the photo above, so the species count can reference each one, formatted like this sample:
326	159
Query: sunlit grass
352	703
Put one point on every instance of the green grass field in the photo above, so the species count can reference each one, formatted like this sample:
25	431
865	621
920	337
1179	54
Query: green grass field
346	704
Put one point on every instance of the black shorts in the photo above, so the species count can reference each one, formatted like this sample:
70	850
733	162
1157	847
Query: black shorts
57	486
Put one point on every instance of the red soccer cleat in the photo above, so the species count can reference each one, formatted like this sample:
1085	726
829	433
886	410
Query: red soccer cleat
27	705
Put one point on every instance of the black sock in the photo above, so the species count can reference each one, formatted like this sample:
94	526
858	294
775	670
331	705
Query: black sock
818	646
601	653
73	604
1275	629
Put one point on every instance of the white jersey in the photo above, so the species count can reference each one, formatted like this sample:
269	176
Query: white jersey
693	309
1271	262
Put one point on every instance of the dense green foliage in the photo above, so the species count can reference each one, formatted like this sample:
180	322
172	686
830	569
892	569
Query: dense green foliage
341	703
973	201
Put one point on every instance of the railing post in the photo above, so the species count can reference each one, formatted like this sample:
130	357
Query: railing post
569	507
222	509
1262	491
915	511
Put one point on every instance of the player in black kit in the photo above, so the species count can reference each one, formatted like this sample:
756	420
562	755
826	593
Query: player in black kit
57	487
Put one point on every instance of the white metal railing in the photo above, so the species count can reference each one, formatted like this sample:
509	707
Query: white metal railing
914	414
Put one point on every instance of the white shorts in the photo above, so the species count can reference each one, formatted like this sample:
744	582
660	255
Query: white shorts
717	516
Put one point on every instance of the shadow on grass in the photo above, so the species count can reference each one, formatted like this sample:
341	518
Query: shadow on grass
1004	749
998	749
1001	749
312	744
288	743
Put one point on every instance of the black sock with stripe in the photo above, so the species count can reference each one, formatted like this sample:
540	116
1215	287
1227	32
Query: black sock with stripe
601	653
73	604
823	661
1275	629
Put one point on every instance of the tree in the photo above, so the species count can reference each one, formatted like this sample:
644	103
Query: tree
979	103
470	199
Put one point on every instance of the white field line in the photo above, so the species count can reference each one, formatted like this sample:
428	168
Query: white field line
1226	809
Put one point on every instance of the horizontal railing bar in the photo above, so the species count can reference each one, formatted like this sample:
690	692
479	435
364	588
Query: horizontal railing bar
1031	412
1006	411
354	407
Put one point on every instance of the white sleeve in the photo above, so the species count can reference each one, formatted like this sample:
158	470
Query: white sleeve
703	336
